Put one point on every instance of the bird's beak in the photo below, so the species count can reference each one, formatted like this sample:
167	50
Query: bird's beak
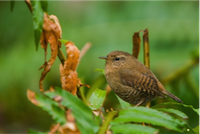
103	57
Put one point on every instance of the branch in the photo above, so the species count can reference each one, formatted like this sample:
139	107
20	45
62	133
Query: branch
107	121
61	56
146	53
84	50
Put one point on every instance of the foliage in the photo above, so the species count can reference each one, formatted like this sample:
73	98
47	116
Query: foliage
88	122
97	99
92	116
38	7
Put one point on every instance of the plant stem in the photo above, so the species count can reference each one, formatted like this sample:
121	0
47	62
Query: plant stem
84	49
107	121
146	53
61	56
146	48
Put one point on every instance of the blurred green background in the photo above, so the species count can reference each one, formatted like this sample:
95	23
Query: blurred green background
173	36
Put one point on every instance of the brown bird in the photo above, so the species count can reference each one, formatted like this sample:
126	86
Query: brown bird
131	80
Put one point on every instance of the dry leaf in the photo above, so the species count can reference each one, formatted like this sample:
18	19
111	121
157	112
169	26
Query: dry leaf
136	44
50	34
28	3
70	127
69	78
31	97
55	19
54	128
72	56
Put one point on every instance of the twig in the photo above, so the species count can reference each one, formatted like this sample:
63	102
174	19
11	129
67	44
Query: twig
61	56
146	48
84	50
107	121
146	53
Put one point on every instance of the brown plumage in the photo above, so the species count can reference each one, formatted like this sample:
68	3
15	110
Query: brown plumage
131	80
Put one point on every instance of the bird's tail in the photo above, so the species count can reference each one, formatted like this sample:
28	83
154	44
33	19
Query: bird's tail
173	96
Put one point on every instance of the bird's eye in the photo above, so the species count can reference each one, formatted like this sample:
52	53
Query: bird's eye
117	58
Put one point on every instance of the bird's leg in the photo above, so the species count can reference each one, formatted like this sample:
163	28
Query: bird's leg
148	104
140	102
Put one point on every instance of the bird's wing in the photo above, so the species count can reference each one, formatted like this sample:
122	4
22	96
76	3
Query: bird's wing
141	82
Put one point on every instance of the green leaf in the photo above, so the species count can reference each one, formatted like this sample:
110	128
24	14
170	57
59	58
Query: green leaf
97	83
38	18
97	98
31	131
133	129
44	5
195	54
173	111
85	120
12	3
175	103
63	41
123	103
196	129
148	115
52	108
100	70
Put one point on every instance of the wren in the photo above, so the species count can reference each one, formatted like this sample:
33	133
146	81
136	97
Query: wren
131	80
